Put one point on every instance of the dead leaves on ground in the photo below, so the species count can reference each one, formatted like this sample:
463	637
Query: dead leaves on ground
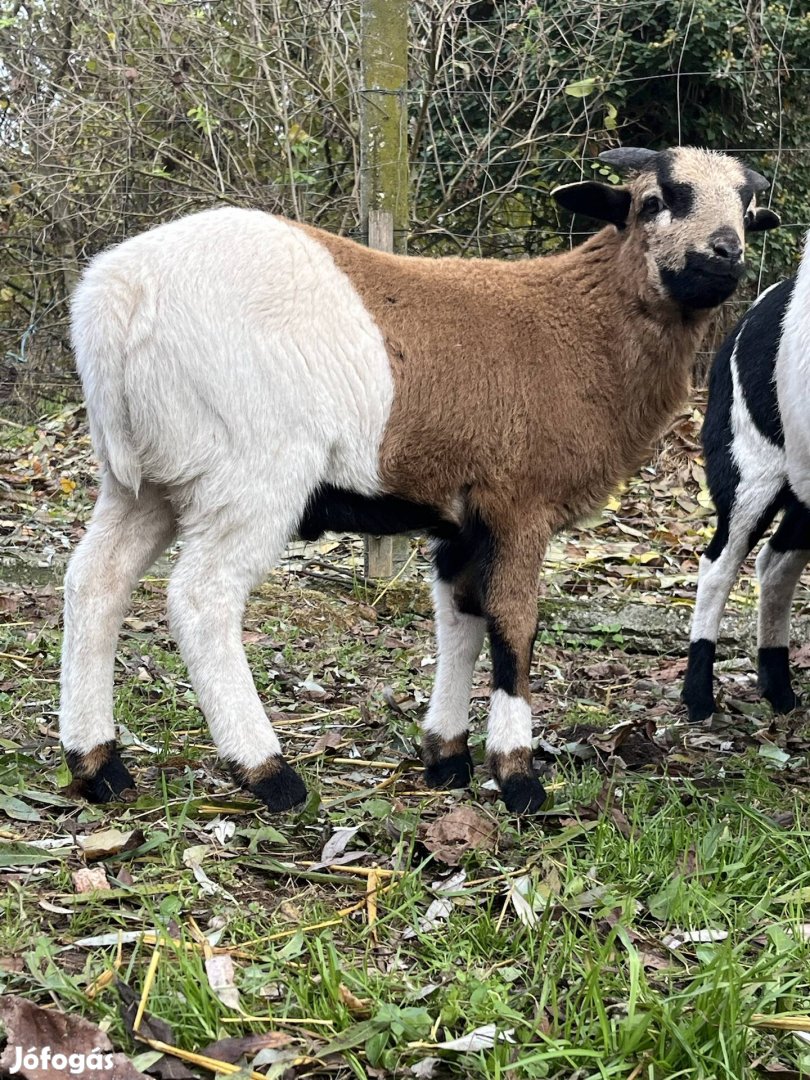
463	829
71	1041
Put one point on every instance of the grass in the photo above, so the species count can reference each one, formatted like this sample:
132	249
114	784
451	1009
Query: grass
636	929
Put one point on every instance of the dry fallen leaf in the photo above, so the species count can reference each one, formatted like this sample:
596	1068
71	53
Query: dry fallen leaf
99	845
482	1038
220	972
245	1046
151	1027
359	1007
457	832
336	844
90	879
71	1042
330	740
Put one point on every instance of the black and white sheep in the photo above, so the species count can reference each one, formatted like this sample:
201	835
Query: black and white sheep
747	475
247	376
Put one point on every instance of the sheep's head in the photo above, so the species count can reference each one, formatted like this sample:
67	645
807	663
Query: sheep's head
692	210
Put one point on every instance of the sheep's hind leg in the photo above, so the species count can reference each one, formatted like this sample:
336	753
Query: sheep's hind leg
460	630
125	536
779	567
223	558
738	531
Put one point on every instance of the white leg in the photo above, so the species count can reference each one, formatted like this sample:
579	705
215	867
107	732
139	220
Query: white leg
459	640
509	727
751	513
778	573
223	558
125	536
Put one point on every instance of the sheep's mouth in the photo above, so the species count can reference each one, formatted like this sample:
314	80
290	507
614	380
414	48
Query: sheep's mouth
703	282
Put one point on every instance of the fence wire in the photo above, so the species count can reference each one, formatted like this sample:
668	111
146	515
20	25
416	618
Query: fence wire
119	114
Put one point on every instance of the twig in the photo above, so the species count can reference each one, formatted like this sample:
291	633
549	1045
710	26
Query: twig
213	1065
372	888
147	986
311	1021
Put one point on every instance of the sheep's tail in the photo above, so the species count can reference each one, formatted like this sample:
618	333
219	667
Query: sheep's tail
102	313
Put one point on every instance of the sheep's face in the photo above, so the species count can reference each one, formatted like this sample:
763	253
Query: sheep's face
694	207
692	210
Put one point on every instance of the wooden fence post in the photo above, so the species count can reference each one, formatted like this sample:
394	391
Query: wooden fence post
384	177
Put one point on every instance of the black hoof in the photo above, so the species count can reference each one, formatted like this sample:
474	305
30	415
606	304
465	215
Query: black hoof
697	693
782	701
523	794
110	782
451	772
774	679
282	789
699	709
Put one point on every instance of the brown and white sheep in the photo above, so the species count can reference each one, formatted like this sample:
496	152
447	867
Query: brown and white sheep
247	377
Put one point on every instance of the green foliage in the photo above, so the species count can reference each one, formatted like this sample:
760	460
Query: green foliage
115	116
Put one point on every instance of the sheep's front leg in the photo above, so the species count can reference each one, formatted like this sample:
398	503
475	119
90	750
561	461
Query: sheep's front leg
460	630
511	609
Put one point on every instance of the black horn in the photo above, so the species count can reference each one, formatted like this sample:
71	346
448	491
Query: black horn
757	180
628	157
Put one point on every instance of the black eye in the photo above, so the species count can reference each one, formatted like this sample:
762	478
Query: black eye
652	205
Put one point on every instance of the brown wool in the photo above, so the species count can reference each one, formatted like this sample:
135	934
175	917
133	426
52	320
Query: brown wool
434	748
530	389
525	387
266	771
85	766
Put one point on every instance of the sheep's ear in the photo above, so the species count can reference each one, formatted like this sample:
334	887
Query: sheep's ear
601	201
628	157
763	219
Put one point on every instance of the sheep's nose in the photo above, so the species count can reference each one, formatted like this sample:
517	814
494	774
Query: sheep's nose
726	245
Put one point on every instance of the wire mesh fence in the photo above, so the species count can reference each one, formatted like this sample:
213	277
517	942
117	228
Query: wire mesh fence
119	114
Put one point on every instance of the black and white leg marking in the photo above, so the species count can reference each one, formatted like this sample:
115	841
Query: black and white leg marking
126	534
511	607
717	574
460	631
779	567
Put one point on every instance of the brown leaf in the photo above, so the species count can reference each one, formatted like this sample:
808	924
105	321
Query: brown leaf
151	1027
29	1030
776	1068
607	669
246	1046
604	801
330	740
655	961
461	830
360	1007
671	672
